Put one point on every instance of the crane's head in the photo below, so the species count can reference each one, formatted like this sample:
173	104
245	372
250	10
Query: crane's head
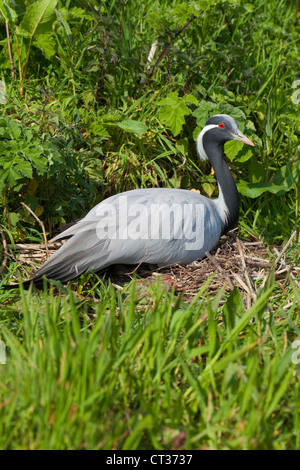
218	130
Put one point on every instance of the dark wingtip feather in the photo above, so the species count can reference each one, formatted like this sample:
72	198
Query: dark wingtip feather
38	283
9	286
25	284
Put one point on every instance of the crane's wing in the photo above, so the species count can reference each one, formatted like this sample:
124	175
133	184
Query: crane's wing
159	226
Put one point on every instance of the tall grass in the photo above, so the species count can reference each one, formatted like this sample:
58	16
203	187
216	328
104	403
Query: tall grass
135	369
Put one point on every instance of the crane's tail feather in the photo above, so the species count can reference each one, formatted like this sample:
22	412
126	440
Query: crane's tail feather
70	261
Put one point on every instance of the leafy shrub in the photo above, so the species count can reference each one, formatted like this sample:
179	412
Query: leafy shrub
40	169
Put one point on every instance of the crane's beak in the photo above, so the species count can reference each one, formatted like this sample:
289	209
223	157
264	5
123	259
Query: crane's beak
238	135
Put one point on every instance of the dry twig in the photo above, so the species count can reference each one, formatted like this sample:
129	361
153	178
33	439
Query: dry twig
41	225
285	247
5	255
215	262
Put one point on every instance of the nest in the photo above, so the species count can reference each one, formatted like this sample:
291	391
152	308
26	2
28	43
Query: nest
236	262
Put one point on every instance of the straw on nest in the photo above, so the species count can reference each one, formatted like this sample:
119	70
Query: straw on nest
237	262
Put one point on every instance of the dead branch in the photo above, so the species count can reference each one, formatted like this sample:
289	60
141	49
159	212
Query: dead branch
41	225
5	255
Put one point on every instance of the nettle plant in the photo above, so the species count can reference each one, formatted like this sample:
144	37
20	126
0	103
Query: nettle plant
41	169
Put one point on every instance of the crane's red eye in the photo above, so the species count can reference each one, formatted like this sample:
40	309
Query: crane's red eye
221	125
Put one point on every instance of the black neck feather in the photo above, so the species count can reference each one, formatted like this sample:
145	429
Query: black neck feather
215	153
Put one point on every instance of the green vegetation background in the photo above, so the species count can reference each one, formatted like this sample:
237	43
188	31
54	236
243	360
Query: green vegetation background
85	114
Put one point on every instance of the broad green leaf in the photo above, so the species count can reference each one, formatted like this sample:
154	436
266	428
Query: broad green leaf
173	111
14	219
183	13
14	129
204	112
46	43
237	151
25	168
232	148
236	113
250	126
257	172
244	154
136	127
208	188
38	160
38	18
8	13
287	175
12	175
40	163
190	99
183	145
254	190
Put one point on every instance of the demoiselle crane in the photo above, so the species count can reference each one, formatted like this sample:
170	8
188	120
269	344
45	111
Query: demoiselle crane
157	225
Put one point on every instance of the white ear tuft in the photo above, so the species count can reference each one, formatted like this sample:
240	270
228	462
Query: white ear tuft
199	145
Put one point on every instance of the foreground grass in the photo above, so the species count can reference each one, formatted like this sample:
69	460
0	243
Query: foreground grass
141	369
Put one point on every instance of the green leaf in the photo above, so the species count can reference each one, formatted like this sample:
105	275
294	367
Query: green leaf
256	309
8	13
208	188
183	145
25	168
136	127
190	99
173	111
212	333
14	129
244	154
282	387
40	163
232	148
286	176
14	219
204	112
183	13
236	113
38	18
12	175
46	43
254	190
66	26
257	172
